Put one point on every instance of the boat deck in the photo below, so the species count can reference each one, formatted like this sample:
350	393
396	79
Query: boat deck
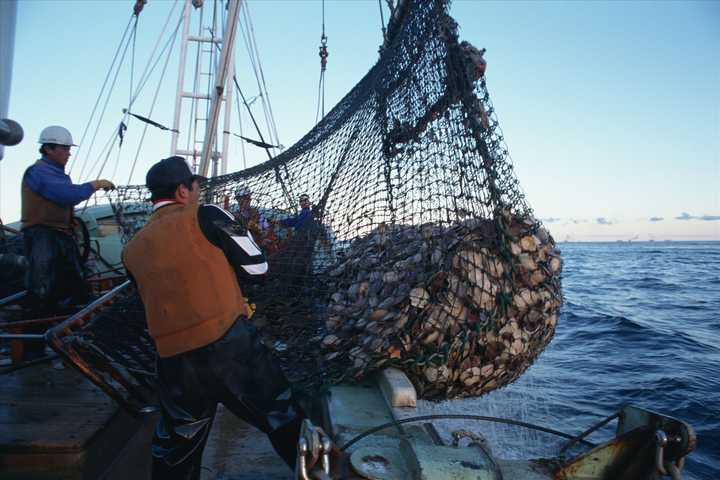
234	451
237	451
56	424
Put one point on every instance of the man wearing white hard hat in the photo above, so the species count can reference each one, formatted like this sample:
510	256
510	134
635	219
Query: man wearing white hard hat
48	199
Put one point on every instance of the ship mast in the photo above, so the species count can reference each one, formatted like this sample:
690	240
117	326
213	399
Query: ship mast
202	150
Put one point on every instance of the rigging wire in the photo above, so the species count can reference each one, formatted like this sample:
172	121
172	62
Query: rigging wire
382	22
254	55
240	124
107	100
272	125
288	195
245	34
170	41
151	65
152	105
122	128
102	90
132	63
107	148
148	70
252	117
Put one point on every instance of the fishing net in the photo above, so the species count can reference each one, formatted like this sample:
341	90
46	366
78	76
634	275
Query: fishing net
420	251
111	346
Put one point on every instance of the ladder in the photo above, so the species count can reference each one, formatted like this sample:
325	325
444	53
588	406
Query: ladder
208	95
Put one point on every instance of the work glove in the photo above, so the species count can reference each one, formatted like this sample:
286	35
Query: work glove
104	184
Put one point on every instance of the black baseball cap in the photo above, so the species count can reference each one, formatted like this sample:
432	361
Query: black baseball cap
170	172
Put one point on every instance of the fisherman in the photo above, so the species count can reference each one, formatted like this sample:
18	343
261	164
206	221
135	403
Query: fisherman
301	219
188	263
295	263
249	216
48	197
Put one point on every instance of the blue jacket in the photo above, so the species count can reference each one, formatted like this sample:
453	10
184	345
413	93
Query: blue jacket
298	220
49	180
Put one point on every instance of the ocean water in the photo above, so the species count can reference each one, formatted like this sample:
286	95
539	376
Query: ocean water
640	325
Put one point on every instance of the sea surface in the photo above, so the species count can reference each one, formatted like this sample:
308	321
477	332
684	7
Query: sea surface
640	325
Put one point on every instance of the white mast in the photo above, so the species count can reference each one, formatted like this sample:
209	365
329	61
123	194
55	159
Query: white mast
228	111
181	78
220	79
205	149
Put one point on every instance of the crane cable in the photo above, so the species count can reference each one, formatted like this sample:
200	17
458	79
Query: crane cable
323	53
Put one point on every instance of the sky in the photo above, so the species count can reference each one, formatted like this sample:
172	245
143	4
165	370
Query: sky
611	110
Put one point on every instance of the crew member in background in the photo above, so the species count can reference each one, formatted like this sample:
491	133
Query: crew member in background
303	217
188	263
48	197
295	262
249	216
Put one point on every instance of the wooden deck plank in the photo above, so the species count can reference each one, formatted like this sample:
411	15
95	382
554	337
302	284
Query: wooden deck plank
43	409
237	451
48	382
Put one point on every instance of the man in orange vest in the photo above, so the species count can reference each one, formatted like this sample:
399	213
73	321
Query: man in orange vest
188	263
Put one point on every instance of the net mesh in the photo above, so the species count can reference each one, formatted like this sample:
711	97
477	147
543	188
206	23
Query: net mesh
420	251
110	345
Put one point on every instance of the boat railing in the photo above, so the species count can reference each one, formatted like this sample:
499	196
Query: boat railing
108	343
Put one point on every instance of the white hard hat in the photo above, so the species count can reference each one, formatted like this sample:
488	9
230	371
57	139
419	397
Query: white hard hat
57	135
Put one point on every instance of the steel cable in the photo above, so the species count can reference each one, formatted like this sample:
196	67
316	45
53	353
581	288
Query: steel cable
452	416
102	89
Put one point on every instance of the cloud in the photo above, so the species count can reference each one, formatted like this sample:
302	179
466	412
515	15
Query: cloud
656	219
603	221
707	218
550	220
576	221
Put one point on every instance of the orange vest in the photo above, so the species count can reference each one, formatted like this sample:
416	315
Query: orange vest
37	210
190	291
